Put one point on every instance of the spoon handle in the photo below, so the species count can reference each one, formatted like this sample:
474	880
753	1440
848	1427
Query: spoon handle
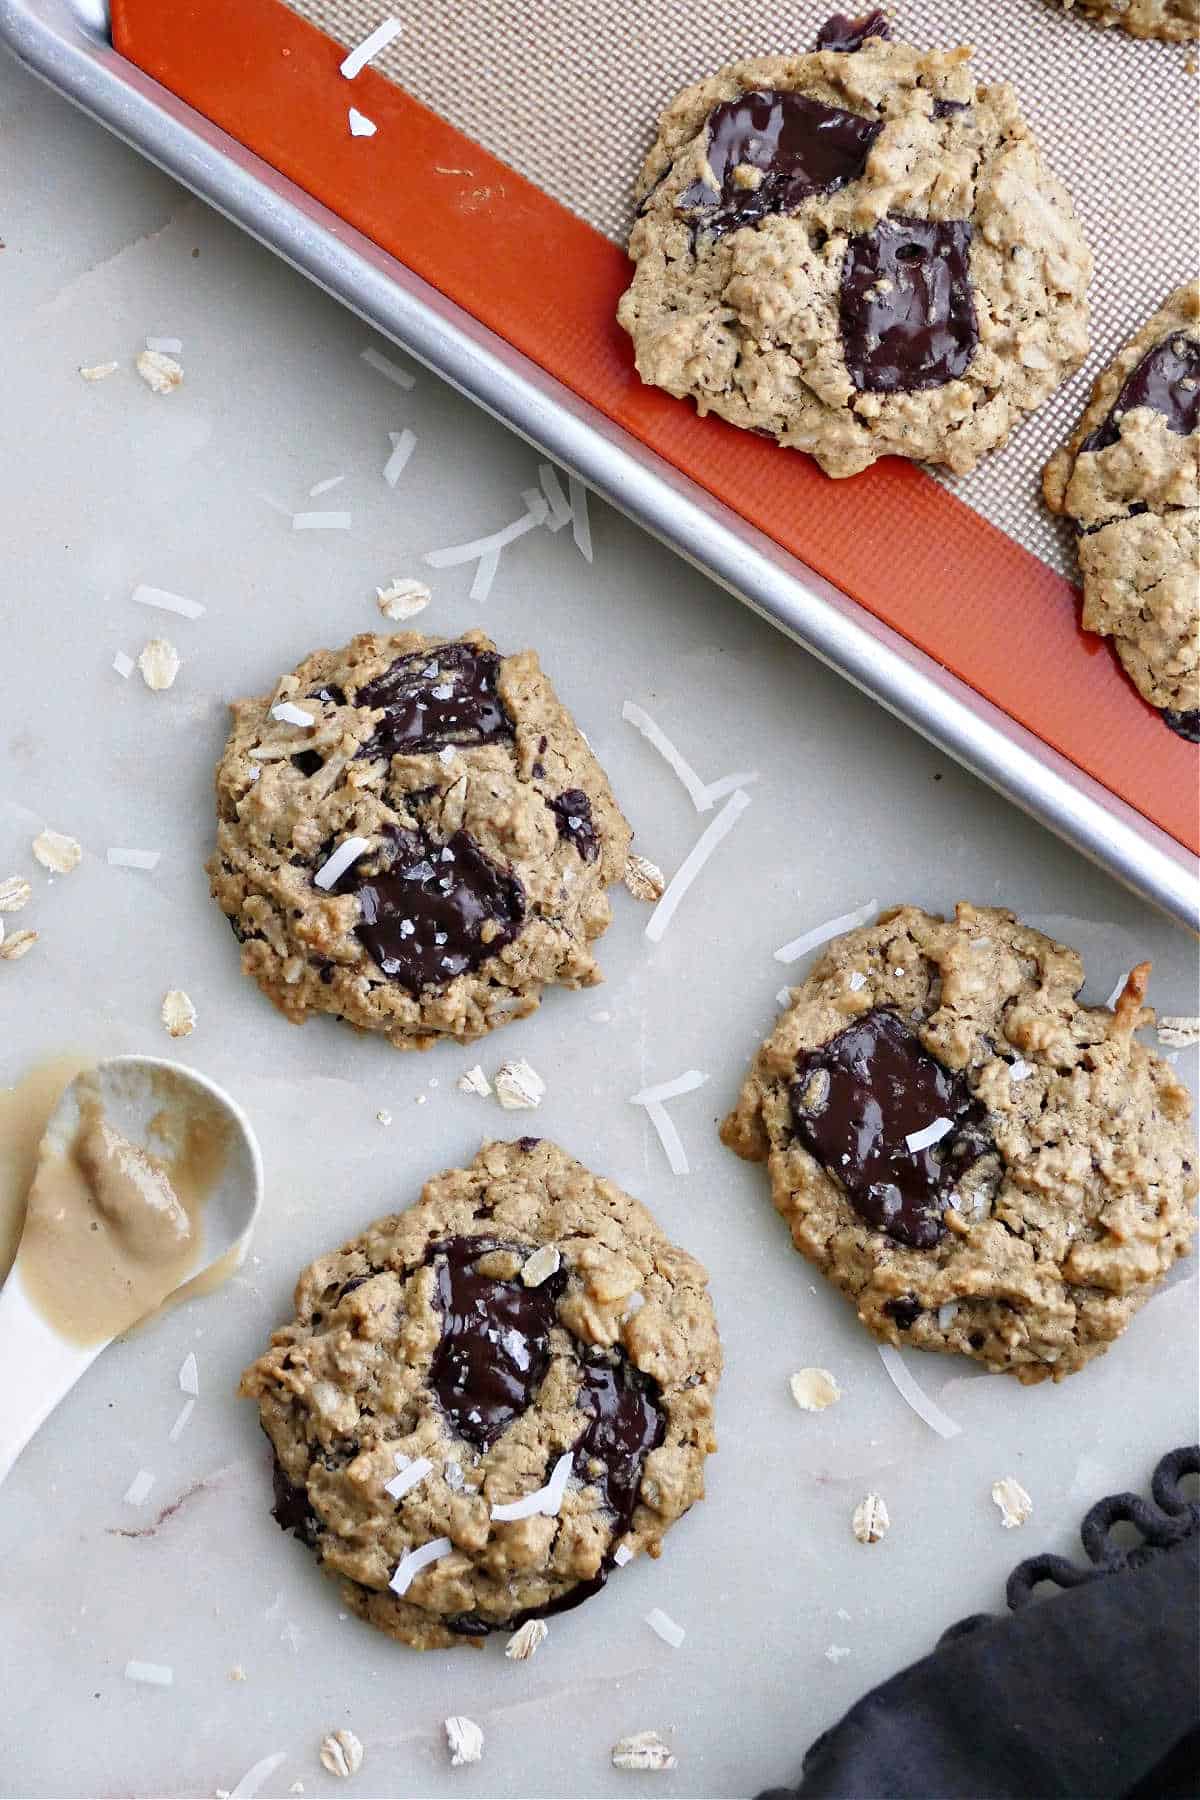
37	1367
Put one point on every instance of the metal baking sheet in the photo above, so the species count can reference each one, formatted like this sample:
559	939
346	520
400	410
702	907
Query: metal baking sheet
66	42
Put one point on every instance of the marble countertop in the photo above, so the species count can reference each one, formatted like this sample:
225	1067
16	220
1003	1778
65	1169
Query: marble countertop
105	486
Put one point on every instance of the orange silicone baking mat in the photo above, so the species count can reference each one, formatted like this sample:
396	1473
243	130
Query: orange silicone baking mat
547	282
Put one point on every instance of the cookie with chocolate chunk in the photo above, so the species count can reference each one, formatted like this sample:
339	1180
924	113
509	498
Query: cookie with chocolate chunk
980	1163
414	835
859	252
488	1402
1130	479
1174	21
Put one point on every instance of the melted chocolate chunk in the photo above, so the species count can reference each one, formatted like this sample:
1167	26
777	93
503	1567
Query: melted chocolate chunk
945	109
308	761
626	1423
1167	379
907	312
858	1098
527	1144
905	1311
800	146
573	816
434	698
291	1510
841	32
424	911
495	1343
1186	724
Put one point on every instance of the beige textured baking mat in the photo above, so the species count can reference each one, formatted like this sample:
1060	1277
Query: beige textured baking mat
568	92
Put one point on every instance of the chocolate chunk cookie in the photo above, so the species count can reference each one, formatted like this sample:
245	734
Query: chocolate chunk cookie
486	1403
1130	479
980	1163
858	252
414	836
1175	21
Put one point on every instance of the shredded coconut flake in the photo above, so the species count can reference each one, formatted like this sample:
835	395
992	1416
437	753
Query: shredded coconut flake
1014	1503
693	862
556	500
323	487
413	1561
814	1389
581	526
669	1090
124	665
181	1421
133	859
641	721
526	1640
545	1500
486	551
341	1754
947	1314
871	1522
464	1740
360	125
290	714
665	1627
622	1555
1111	1002
168	346
98	371
402	598
668	1137
162	601
159	663
409	1474
347	852
57	852
932	1133
357	59
189	1374
821	934
1019	1070
254	1777
139	1488
642	1750
151	1674
403	445
912	1391
178	1013
384	366
474	1081
321	521
1178	1032
518	1085
161	374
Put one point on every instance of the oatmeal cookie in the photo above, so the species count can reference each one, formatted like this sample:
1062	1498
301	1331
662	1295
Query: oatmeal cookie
1174	21
473	837
1130	479
859	252
524	1330
977	1161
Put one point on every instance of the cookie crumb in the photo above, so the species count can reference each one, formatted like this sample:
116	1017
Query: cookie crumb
342	1754
98	371
159	663
56	852
15	892
464	1740
644	879
237	1673
1014	1503
384	1117
18	945
402	598
814	1389
518	1085
474	1081
540	1266
161	373
871	1521
526	1640
642	1750
178	1013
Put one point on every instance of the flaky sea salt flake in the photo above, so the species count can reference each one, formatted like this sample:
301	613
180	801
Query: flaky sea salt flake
464	1740
622	1555
518	1086
158	661
814	1389
402	598
642	1750
526	1640
693	862
664	1626
161	373
644	879
1014	1503
821	934
871	1522
1019	1069
341	1754
57	852
356	60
